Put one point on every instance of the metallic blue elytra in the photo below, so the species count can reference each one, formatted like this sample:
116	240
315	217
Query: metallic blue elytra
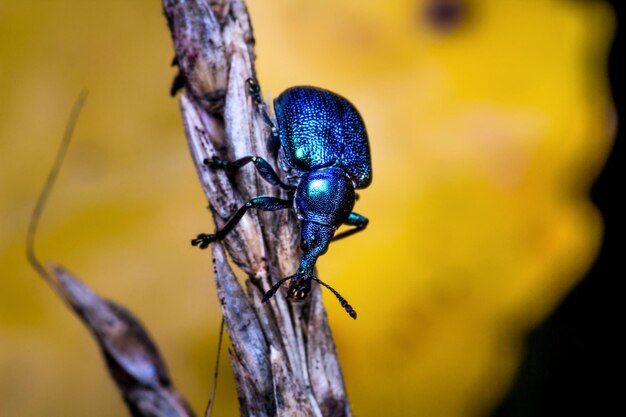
319	129
324	149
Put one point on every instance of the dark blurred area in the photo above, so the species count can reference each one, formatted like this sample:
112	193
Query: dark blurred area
574	361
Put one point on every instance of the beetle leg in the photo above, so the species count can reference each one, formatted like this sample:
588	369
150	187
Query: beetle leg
264	168
262	203
254	89
359	222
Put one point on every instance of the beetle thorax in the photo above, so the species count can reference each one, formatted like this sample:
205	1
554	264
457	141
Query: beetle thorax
324	196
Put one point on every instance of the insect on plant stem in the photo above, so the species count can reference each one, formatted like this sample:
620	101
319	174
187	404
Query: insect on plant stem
325	155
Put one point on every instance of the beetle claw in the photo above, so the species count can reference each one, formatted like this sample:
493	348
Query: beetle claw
203	240
214	162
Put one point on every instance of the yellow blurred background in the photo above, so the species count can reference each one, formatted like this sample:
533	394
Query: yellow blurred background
487	128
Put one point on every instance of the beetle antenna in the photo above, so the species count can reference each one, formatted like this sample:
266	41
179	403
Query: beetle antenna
346	306
270	293
255	91
47	188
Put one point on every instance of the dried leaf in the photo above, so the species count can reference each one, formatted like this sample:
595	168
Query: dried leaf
132	358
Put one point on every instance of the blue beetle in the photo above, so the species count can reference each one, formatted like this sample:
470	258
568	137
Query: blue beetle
324	149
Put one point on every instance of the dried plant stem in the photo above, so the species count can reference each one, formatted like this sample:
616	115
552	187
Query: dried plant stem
282	355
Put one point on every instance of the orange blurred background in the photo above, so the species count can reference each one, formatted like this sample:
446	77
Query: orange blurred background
488	125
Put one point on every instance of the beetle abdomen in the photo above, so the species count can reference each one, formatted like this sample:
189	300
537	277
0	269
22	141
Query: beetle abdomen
318	128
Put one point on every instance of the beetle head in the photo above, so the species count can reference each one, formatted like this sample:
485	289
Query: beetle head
301	286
